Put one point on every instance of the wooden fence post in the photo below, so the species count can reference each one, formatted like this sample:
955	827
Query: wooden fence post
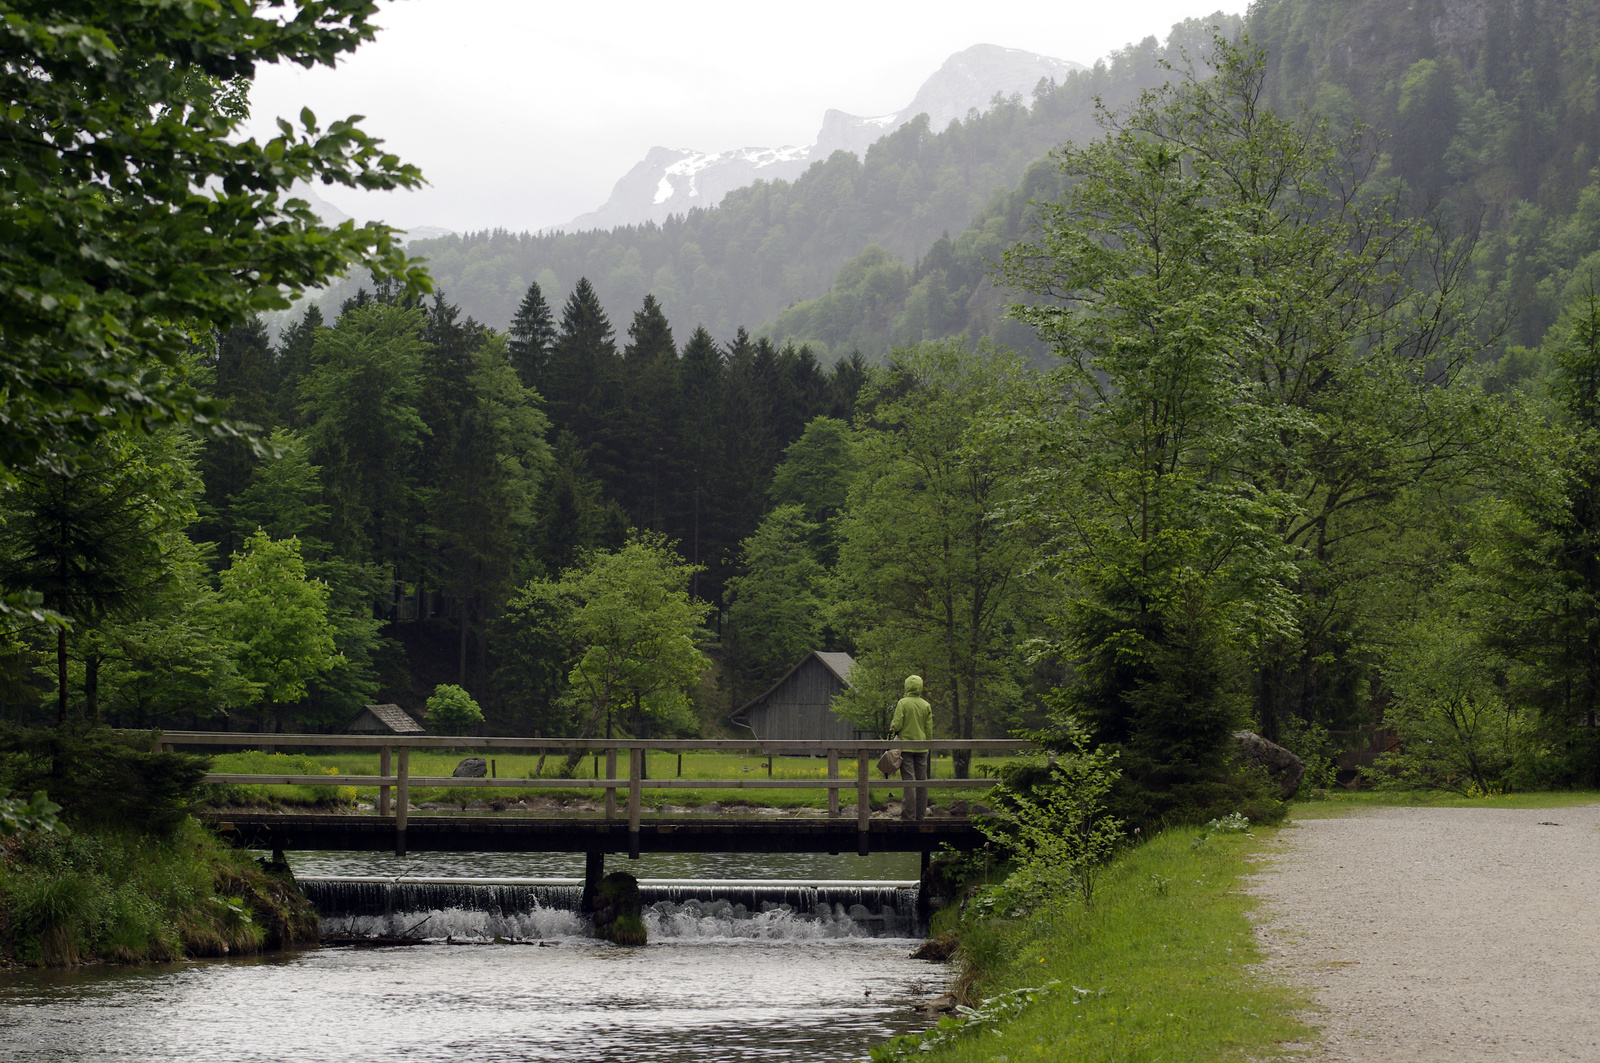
402	796
635	777
611	791
383	791
863	803
833	791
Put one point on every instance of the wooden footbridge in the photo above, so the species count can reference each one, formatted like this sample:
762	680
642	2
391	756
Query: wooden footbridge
617	829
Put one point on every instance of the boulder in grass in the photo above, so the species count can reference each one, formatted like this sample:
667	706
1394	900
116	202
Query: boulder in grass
471	768
1281	766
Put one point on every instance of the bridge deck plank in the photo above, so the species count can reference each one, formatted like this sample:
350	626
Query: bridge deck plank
766	834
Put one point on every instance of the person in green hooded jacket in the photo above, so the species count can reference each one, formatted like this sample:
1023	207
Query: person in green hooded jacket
913	722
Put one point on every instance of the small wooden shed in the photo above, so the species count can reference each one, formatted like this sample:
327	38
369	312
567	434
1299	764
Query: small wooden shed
800	705
383	720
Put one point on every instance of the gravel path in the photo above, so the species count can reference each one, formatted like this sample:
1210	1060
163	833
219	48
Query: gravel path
1449	934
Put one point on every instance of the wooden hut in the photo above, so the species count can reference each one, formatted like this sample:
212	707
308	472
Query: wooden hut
800	705
383	720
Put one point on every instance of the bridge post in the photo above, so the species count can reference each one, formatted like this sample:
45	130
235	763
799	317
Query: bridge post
635	775
594	870
863	803
925	890
383	791
611	791
833	791
402	800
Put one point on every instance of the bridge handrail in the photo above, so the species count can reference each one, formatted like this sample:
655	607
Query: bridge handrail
471	742
864	751
592	784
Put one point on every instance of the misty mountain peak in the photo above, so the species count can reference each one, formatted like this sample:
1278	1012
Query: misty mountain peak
675	180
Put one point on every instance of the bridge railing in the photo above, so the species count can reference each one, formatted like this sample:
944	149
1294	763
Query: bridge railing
394	751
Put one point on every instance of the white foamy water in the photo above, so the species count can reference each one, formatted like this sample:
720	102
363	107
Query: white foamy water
539	910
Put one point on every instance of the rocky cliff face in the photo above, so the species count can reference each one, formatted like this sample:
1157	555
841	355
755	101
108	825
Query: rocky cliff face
675	180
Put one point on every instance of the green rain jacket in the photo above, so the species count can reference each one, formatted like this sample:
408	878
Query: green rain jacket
913	717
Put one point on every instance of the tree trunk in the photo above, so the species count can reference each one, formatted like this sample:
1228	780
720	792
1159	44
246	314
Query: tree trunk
638	722
91	687
960	759
61	677
462	669
482	689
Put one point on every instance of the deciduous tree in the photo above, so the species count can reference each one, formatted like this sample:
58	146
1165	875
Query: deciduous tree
136	213
280	619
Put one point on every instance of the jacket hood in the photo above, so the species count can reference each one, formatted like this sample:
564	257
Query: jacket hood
913	685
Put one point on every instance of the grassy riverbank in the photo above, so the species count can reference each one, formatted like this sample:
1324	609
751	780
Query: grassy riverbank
1157	970
750	768
121	896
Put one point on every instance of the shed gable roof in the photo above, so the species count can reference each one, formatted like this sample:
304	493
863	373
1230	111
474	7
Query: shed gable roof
839	664
393	717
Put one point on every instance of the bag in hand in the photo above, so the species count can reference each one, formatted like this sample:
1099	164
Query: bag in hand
889	763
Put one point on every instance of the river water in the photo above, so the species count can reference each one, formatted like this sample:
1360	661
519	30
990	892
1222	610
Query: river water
707	988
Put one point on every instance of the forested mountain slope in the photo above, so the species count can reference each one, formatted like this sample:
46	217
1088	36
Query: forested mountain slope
1492	113
772	244
1488	116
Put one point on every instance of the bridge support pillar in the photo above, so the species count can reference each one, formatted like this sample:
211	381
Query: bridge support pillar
402	800
863	804
383	791
924	890
594	869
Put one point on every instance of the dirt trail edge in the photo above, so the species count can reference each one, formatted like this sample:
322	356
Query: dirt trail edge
1449	934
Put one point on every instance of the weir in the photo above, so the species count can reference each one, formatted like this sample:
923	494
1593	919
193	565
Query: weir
530	910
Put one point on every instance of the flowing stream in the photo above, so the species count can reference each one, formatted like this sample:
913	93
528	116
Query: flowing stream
814	966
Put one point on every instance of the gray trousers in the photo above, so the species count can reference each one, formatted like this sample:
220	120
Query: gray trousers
914	765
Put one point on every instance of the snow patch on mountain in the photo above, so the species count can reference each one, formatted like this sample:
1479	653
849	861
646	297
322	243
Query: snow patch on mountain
674	180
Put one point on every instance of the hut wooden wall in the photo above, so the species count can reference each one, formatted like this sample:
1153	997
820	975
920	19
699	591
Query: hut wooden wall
799	710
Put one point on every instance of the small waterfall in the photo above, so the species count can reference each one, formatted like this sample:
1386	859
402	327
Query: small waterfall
779	910
528	910
413	909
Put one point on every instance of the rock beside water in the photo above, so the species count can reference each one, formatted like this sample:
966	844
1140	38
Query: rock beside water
617	916
938	949
471	768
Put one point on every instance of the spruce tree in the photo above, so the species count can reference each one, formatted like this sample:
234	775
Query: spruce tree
97	544
294	364
749	441
649	427
531	336
845	382
701	380
246	376
580	389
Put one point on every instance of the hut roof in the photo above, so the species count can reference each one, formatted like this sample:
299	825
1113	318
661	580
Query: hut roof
392	717
840	664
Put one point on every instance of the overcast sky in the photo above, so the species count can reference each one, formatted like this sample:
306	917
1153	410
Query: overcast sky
523	114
